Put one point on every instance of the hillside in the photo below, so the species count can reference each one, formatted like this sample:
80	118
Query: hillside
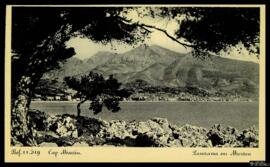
161	67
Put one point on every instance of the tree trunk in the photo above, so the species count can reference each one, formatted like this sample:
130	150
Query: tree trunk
32	66
20	132
79	107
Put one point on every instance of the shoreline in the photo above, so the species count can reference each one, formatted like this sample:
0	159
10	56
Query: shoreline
234	114
68	130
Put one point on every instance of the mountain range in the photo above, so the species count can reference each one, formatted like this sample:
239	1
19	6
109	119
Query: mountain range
161	67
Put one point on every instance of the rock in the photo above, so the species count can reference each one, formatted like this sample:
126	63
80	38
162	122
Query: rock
66	141
144	140
253	144
46	144
226	145
46	136
249	137
80	144
190	136
186	142
64	126
51	136
117	129
69	126
136	128
157	125
209	143
150	139
154	132
115	133
52	119
37	120
74	133
220	135
131	142
174	143
68	130
90	126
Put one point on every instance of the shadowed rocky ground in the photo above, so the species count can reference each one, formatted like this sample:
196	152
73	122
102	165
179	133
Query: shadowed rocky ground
67	130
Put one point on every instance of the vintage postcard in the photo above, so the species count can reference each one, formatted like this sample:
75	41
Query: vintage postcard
135	83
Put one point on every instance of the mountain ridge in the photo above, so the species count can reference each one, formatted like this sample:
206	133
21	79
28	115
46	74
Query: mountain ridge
162	67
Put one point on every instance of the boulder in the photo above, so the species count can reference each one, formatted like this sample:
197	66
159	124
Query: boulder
68	130
46	136
114	133
249	137
154	132
64	126
66	141
174	143
158	126
116	129
145	140
90	126
190	136
220	135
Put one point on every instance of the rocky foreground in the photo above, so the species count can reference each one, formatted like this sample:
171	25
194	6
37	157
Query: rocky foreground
67	130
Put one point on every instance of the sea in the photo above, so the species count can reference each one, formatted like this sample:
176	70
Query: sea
240	115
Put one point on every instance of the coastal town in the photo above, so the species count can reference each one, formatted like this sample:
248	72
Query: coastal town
145	96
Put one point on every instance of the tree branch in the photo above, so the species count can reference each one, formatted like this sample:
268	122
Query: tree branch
145	26
166	33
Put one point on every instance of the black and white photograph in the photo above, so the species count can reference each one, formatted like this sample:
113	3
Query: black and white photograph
135	76
156	76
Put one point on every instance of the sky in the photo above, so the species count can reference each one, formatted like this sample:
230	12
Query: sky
85	48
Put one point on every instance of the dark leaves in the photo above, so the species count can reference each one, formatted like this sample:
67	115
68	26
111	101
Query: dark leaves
216	29
39	35
99	91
